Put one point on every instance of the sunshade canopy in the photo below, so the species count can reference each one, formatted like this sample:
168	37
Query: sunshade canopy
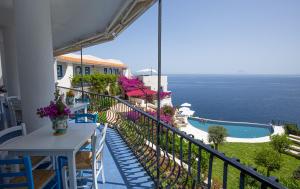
186	104
184	109
77	23
188	112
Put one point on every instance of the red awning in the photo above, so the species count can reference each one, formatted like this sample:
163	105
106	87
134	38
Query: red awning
139	92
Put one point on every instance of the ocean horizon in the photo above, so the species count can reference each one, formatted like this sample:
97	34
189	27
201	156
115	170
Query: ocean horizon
258	98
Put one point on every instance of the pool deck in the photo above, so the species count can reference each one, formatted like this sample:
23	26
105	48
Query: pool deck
202	135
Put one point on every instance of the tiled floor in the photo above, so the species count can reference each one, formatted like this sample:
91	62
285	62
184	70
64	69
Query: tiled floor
122	170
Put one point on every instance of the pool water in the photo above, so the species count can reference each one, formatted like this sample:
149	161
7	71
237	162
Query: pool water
237	130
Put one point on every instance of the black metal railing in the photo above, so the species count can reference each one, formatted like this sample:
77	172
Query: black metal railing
184	162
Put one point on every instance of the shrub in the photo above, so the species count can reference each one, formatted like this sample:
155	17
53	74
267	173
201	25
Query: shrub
269	159
292	129
99	83
168	110
290	182
216	183
217	135
296	173
280	143
133	116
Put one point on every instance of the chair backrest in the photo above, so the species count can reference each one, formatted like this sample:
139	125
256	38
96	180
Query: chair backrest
26	173
98	142
14	109
86	118
8	135
12	133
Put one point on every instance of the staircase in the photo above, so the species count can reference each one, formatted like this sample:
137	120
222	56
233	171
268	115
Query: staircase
295	147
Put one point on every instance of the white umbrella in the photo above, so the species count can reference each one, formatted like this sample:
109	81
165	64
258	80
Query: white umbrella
184	109
186	104
147	70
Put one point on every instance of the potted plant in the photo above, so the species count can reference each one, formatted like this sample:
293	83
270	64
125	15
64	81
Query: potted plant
70	96
58	113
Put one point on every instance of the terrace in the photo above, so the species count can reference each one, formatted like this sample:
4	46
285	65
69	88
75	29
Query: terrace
140	153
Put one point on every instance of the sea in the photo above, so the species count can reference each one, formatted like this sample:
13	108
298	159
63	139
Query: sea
246	98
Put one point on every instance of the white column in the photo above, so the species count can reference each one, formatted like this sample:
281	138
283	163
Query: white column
10	67
35	58
1	57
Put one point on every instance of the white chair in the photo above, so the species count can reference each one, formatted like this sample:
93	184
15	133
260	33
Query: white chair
14	110
89	160
12	134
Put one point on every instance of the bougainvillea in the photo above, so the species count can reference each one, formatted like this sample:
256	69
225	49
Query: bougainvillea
163	117
133	116
130	84
54	110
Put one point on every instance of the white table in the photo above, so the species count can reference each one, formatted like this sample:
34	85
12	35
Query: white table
42	143
79	106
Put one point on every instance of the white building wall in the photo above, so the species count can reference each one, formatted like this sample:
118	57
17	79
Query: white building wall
151	81
67	70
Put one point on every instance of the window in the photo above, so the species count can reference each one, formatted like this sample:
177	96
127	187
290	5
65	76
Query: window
87	70
78	70
59	71
116	71
105	70
110	70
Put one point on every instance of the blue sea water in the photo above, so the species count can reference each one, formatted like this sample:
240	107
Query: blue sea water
247	98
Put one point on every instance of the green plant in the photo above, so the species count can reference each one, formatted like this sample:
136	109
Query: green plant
296	173
290	182
280	143
292	129
217	135
98	83
216	183
269	159
168	110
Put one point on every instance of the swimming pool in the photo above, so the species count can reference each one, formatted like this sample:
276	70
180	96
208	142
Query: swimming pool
234	129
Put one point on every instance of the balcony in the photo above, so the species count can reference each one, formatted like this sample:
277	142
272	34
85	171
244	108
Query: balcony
181	162
122	169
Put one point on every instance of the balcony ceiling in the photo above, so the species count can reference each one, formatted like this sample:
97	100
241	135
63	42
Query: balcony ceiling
77	23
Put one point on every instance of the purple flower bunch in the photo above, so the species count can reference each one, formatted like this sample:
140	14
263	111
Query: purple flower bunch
130	84
163	117
133	116
54	110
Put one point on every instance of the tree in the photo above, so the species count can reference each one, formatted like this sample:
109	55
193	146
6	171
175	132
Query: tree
217	135
269	159
280	143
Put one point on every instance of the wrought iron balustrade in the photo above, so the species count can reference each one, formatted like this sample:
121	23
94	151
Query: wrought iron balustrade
184	161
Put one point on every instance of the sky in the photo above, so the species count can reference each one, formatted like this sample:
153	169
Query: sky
213	37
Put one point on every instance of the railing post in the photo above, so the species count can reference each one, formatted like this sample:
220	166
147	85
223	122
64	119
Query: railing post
158	95
81	73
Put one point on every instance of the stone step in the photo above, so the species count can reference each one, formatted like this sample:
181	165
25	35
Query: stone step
295	148
293	152
294	140
294	136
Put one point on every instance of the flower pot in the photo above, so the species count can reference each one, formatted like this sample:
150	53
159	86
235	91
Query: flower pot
70	100
60	125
